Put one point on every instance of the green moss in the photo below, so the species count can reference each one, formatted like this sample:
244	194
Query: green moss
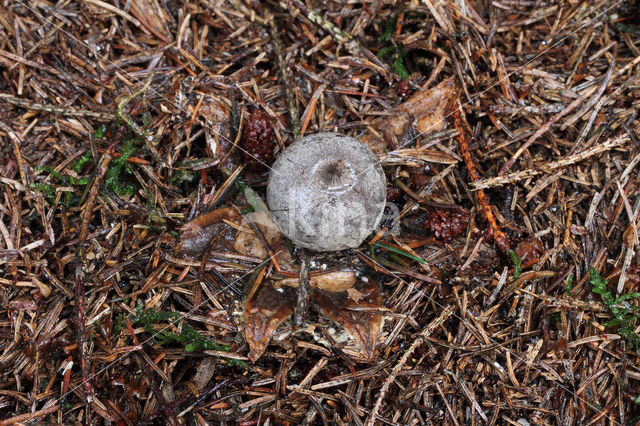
79	164
189	337
181	176
569	286
625	316
100	132
49	190
398	65
389	30
392	50
517	266
116	176
385	51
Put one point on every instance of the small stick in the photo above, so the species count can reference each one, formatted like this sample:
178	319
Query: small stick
573	105
308	113
44	40
630	238
28	416
93	193
164	404
16	149
155	389
467	393
339	35
303	290
498	236
68	112
564	162
133	160
593	100
81	335
288	94
267	246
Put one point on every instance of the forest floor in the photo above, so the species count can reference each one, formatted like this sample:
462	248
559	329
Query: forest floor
501	287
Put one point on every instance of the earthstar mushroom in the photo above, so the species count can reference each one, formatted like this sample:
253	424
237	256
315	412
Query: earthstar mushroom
327	192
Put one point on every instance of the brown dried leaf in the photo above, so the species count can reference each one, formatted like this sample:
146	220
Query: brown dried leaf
424	111
196	235
263	313
249	244
354	294
331	281
204	373
217	117
361	318
427	107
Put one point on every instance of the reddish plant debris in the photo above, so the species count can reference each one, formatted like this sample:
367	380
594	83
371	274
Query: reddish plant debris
523	90
446	224
404	90
23	305
419	180
134	388
136	108
257	141
393	193
529	251
499	237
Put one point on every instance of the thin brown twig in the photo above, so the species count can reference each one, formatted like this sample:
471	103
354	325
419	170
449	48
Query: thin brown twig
303	290
498	236
81	335
284	74
69	112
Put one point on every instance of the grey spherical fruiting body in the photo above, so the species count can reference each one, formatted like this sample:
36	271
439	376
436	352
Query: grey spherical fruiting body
327	192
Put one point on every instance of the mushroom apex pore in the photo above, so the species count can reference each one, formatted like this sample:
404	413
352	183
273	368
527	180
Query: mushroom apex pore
327	192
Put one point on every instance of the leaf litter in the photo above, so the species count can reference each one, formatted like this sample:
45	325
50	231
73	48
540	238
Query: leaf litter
142	281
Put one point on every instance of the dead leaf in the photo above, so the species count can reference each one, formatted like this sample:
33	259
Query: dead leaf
249	244
354	294
427	107
362	318
263	313
217	116
204	373
424	112
195	236
330	281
